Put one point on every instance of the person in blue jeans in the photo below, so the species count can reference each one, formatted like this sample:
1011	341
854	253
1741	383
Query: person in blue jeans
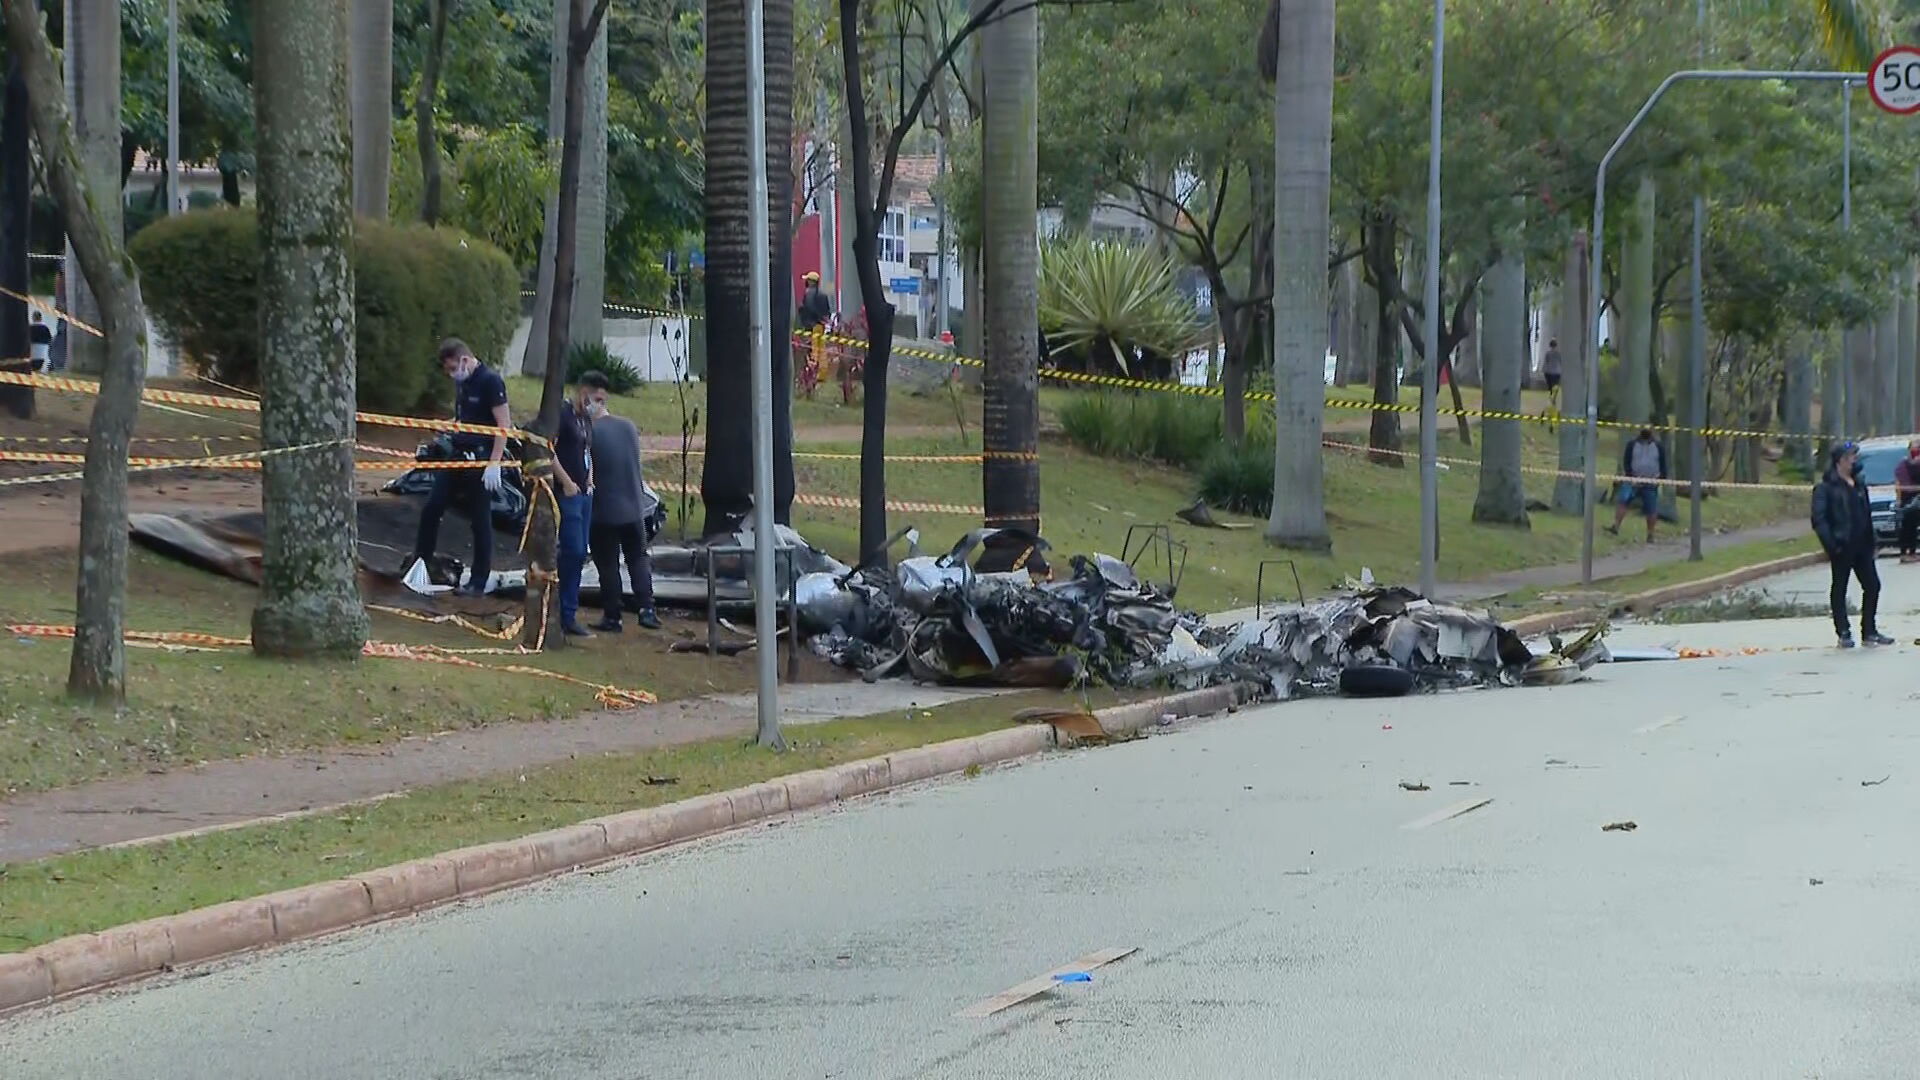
573	472
1642	464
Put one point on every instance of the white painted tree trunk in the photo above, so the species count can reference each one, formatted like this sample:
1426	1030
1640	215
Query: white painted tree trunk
371	86
590	243
1303	171
92	57
309	600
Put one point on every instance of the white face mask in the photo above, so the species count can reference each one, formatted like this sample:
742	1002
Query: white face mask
467	367
596	409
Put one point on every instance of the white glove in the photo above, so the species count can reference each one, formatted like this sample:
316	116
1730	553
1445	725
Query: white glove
490	476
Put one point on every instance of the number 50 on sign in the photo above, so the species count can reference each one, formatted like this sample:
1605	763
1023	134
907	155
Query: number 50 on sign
1895	80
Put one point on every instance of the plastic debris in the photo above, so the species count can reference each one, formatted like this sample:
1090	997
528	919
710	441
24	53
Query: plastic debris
1073	977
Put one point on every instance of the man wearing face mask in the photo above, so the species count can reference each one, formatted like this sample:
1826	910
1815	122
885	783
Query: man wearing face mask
480	397
573	472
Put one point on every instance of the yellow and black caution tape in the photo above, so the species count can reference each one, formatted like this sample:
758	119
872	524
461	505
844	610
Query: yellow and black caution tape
1571	474
613	697
842	502
48	309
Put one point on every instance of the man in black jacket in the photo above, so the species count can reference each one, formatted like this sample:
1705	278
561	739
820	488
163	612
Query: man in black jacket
1843	520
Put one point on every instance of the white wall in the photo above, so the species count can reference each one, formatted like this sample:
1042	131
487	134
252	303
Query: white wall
657	348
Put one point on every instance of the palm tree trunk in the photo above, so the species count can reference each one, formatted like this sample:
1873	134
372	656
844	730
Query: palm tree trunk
1886	355
309	590
16	213
1633	394
1383	425
92	57
1009	61
425	104
98	670
1303	170
1576	330
1833	387
1503	334
1798	415
372	92
1904	387
726	481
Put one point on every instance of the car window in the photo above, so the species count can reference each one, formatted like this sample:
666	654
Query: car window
1880	463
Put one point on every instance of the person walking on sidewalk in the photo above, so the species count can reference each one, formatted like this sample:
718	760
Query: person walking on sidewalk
619	522
1906	501
573	472
1843	520
1643	463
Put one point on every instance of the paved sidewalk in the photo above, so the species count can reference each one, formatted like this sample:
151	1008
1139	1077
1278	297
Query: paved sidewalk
224	793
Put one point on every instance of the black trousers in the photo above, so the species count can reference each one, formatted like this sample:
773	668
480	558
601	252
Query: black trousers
1857	562
464	487
609	543
1910	527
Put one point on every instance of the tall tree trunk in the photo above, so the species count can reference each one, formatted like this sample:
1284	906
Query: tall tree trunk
1383	425
1633	393
1469	357
1366	328
372	92
1345	303
1576	331
1303	172
1009	51
309	589
1904	383
1233	320
726	481
587	242
1833	385
1798	414
16	213
1861	379
425	104
1503	334
98	670
229	184
1886	356
92	56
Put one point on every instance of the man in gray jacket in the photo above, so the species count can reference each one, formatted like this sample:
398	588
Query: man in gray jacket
619	522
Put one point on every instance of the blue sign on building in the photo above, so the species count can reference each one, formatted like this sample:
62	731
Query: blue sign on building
905	286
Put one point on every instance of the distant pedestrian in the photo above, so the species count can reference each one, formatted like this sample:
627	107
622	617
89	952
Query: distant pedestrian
1550	367
40	336
1906	501
1641	467
619	522
1843	520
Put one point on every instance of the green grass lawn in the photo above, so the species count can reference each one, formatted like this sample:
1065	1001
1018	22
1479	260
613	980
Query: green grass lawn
86	891
1609	591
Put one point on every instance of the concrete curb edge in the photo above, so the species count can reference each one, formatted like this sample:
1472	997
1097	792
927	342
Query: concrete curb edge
84	962
1553	622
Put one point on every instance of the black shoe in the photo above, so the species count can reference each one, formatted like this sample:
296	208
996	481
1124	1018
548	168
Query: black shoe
1875	637
1846	640
607	626
648	619
574	629
471	589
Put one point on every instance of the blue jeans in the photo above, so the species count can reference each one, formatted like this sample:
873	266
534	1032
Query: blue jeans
576	515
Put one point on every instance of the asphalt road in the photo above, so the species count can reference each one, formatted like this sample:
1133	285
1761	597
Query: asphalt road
1297	912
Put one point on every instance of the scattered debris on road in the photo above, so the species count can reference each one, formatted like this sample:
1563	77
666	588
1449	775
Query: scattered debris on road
1815	881
1619	826
1876	783
1413	785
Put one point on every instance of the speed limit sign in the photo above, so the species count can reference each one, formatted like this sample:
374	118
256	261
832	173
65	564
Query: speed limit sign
1895	80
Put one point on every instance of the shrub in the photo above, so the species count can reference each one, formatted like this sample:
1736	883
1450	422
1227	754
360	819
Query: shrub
1105	301
622	377
412	287
1176	429
1240	478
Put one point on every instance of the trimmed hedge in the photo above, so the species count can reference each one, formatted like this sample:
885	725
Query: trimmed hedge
413	286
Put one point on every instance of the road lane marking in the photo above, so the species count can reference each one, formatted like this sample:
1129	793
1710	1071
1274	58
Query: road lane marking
1014	995
1464	806
1648	729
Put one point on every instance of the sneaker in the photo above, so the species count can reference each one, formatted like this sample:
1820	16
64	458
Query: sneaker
574	629
607	626
648	619
1846	641
1876	638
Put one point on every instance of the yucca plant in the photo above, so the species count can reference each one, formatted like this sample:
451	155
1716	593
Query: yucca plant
1113	301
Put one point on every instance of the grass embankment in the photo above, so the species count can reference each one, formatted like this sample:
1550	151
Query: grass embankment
1608	592
86	891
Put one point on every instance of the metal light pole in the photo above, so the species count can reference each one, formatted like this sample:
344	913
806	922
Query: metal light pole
1591	485
173	107
761	351
1846	225
1430	375
1697	342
